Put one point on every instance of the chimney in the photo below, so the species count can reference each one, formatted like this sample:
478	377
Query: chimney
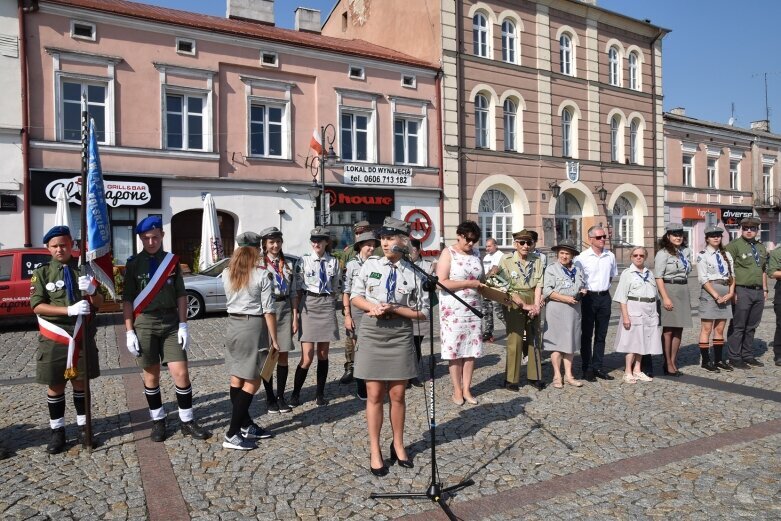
762	124
261	11
589	2
308	20
678	111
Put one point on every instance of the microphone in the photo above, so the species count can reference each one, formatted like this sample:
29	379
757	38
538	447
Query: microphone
400	249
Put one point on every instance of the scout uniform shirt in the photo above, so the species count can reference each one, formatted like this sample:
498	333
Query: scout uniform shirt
712	266
522	276
139	272
749	262
375	284
565	281
283	278
636	283
308	274
673	267
352	269
774	265
47	286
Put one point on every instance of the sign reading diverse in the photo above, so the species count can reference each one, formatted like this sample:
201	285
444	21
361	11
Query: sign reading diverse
355	174
119	191
420	224
731	217
359	199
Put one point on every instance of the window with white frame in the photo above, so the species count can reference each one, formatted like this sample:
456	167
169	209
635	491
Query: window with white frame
615	138
509	42
566	54
71	95
634	142
481	121
767	183
688	170
623	221
480	35
634	73
614	60
267	130
407	140
734	175
185	120
712	173
566	133
510	125
496	218
355	136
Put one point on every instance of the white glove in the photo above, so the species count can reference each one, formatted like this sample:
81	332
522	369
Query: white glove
79	308
183	337
132	343
86	285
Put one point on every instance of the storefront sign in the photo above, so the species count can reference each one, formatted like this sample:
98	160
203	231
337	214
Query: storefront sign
697	213
360	199
420	224
731	217
8	203
377	175
120	191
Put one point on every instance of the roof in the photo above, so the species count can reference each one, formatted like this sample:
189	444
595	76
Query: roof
245	29
670	117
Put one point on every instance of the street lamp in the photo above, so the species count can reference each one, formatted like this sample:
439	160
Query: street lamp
555	189
317	164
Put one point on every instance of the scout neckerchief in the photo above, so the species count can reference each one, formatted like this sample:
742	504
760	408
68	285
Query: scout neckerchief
390	284
280	279
754	252
570	273
323	288
68	279
157	279
526	276
682	257
644	276
720	264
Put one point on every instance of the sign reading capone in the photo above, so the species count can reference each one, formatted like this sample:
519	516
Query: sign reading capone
118	193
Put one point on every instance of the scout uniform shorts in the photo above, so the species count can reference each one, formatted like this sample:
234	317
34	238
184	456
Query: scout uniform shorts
157	336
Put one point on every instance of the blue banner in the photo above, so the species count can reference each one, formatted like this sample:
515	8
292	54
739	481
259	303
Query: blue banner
98	224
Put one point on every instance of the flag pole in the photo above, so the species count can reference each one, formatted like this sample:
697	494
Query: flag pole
83	249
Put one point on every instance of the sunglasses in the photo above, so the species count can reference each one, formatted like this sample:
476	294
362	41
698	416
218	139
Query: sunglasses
316	239
473	240
750	228
524	242
714	236
600	237
639	255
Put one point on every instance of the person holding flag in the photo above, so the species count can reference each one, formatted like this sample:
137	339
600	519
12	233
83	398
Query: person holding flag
155	312
63	300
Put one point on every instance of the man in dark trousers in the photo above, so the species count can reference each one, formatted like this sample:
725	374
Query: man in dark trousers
774	272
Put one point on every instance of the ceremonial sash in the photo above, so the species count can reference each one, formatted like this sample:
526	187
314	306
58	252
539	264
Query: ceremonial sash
167	266
59	335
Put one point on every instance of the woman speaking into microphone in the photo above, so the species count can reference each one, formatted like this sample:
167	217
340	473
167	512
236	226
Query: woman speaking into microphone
390	292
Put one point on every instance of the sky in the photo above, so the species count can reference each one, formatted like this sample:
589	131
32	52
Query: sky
709	62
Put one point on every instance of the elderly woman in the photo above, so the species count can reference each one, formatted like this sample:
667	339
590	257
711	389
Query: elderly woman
638	334
459	269
390	293
563	287
715	271
672	264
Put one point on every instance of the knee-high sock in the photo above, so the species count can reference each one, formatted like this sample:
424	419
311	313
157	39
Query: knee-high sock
322	376
299	378
78	404
705	351
718	347
155	401
56	410
281	380
240	409
269	387
184	399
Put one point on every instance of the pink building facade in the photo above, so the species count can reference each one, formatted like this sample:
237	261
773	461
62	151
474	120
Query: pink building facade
188	104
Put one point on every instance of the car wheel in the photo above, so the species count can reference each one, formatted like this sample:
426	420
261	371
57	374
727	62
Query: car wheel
195	305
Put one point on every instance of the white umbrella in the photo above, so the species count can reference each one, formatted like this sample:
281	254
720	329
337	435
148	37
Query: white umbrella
62	216
211	243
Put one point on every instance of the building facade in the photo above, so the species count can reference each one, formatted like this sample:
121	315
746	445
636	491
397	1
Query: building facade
718	173
187	104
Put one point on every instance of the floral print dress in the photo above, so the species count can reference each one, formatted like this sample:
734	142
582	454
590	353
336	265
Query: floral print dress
459	328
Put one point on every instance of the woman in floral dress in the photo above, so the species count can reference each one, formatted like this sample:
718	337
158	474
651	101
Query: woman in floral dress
459	269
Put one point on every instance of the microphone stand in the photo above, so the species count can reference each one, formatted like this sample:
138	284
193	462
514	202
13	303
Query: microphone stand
435	490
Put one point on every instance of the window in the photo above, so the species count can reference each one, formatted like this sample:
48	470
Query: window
481	121
266	130
409	81
509	42
734	175
615	67
480	35
764	233
623	221
83	30
123	238
357	73
6	267
566	133
688	170
510	125
712	173
615	139
634	142
634	78
185	46
406	141
496	218
565	54
185	121
269	59
72	91
767	183
355	136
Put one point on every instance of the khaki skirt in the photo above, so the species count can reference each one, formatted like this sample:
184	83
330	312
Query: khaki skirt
681	315
709	309
385	350
318	319
245	346
284	313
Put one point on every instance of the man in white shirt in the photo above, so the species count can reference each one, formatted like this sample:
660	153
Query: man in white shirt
490	260
599	267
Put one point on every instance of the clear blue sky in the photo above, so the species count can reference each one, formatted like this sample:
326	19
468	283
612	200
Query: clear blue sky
714	56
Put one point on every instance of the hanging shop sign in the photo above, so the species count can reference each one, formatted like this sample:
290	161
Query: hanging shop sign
360	199
120	191
355	174
731	217
420	224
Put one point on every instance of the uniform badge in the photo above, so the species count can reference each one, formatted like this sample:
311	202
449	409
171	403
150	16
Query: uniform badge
33	279
60	284
32	290
375	275
514	274
743	256
50	286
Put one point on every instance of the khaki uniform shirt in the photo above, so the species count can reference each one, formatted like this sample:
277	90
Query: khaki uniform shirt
635	283
748	272
671	267
557	280
256	298
47	286
137	276
522	276
286	274
712	266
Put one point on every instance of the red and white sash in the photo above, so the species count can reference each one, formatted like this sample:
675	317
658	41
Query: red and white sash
60	336
166	268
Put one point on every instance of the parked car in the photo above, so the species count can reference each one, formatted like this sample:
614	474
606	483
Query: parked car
16	269
205	292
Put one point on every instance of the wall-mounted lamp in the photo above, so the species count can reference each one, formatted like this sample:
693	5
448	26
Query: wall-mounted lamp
601	193
555	189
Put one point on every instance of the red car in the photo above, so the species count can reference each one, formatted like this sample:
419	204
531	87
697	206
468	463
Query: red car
16	268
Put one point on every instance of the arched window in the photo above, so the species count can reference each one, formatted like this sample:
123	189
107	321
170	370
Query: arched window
509	42
634	78
565	54
615	138
510	125
615	66
480	35
623	221
634	142
566	133
481	121
496	218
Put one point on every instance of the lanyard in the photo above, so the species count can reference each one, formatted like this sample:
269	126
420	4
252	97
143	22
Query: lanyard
755	252
684	261
720	264
323	278
644	277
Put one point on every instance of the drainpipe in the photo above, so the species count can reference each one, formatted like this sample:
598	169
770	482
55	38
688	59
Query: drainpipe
461	116
441	152
21	11
655	136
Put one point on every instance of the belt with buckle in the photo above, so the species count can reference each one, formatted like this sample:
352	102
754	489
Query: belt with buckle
313	294
642	299
759	286
242	315
675	281
281	298
600	293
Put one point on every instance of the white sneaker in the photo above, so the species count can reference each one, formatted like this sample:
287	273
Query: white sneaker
237	442
643	377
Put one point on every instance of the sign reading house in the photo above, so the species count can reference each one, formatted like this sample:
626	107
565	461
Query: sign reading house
120	191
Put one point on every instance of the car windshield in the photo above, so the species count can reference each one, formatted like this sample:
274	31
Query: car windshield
216	269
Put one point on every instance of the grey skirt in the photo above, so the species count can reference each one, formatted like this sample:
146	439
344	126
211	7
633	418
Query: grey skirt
283	311
318	319
245	346
562	328
357	315
709	310
385	350
681	315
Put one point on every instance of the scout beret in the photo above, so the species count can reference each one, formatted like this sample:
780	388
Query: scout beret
363	237
393	226
750	221
523	234
249	239
319	232
673	227
57	231
566	244
153	222
713	230
271	231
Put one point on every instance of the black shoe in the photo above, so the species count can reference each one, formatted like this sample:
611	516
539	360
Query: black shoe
320	400
739	364
380	472
4	453
57	441
665	372
512	387
710	366
778	362
282	405
599	373
191	428
360	389
347	377
273	407
158	430
537	384
753	362
488	337
588	376
723	365
295	400
406	463
416	382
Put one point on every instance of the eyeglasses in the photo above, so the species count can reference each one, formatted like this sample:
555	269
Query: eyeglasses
473	240
317	239
750	228
600	237
524	242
